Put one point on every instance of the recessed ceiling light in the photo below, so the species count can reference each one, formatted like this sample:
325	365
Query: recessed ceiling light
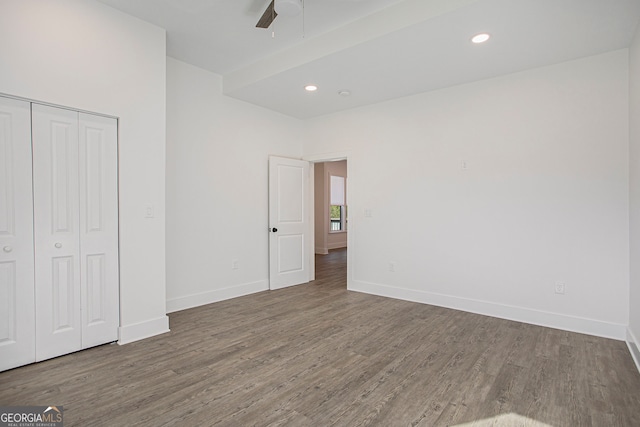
480	38
311	88
344	92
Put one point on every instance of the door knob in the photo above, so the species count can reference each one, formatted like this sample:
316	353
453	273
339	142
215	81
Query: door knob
58	245
7	249
275	230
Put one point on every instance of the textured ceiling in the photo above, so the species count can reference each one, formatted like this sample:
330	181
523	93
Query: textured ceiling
220	35
378	49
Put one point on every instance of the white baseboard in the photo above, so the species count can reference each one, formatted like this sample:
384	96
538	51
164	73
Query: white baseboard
196	300
142	330
337	245
519	314
321	251
632	343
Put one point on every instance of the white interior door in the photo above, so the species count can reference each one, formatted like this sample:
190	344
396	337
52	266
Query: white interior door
98	229
17	315
289	219
56	227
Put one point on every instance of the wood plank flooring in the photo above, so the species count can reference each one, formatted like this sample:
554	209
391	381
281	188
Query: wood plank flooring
318	355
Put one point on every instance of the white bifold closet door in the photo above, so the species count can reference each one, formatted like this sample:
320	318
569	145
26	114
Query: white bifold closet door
17	309
76	230
98	149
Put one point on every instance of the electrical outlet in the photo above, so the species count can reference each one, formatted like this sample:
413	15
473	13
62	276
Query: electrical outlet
560	288
392	266
234	264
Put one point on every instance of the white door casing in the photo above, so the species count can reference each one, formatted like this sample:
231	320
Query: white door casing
289	219
56	227
98	184
17	315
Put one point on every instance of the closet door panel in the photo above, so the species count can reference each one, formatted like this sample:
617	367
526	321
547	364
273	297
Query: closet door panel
56	226
17	308
99	229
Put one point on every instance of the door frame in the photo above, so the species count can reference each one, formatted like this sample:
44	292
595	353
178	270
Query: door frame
321	158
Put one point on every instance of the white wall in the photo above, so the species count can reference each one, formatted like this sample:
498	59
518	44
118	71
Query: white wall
217	176
634	212
544	197
84	55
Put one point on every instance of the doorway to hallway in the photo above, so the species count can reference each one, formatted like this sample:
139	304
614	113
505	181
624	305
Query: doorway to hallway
330	202
330	222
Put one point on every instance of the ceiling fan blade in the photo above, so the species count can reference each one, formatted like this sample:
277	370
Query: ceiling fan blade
268	16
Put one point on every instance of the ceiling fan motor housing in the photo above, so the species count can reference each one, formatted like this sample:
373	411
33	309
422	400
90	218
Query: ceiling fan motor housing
288	7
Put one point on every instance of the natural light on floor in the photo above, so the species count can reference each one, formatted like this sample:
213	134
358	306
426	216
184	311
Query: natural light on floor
505	420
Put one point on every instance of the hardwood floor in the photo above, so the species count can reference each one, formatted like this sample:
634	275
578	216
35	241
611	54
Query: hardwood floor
318	355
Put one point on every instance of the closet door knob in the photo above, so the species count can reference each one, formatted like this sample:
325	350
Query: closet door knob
7	249
58	245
